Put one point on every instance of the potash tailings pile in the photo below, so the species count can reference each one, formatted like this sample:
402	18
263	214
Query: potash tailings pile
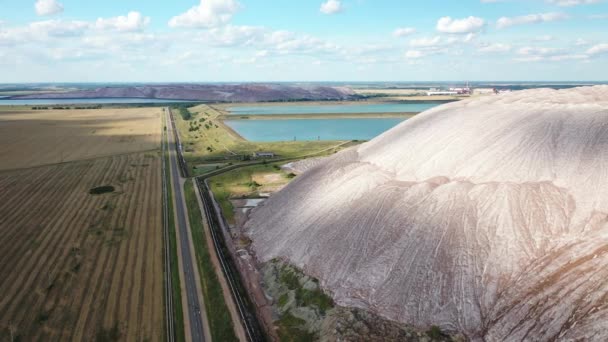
487	217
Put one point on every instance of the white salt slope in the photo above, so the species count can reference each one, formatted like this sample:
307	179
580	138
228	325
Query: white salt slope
487	216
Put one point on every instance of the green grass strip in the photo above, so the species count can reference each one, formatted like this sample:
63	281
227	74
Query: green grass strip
220	321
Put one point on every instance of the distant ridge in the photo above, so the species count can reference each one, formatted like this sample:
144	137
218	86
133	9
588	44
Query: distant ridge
207	92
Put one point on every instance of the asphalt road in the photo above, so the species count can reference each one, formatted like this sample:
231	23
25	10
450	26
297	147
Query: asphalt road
169	309
194	311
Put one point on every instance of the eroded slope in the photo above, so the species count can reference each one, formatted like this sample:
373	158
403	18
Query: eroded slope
486	216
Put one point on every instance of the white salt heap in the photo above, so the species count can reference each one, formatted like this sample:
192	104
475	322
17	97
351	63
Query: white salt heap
487	216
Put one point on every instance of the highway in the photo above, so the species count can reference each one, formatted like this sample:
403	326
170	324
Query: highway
169	309
197	332
212	215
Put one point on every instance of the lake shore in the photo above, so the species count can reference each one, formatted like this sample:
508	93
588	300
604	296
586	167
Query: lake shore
379	100
326	116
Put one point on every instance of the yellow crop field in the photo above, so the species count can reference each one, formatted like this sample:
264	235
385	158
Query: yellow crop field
75	265
41	137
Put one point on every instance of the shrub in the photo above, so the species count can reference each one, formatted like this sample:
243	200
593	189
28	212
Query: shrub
43	317
435	333
185	113
101	190
108	335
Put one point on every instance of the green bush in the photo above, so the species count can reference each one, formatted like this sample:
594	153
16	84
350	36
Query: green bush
290	279
101	190
185	113
435	333
108	335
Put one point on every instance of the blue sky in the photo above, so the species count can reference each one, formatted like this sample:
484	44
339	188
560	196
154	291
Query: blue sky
305	40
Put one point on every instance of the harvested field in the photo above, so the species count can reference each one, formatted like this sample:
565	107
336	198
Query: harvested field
40	137
77	266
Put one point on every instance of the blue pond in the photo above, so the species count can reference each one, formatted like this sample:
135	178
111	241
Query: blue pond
314	129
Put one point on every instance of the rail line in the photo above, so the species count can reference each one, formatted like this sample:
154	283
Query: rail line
248	319
213	216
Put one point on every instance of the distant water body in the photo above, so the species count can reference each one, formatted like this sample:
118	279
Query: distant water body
314	129
410	107
52	102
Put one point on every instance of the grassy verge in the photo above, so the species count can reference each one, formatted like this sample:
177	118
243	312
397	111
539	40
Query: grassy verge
178	314
245	182
207	140
220	321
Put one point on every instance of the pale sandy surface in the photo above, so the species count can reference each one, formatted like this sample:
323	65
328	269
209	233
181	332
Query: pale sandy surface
32	138
487	216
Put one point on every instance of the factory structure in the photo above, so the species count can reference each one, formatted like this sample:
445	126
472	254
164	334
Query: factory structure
464	91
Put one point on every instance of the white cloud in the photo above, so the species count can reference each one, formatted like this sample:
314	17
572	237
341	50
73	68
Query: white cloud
555	58
568	3
404	31
48	7
538	51
209	13
466	25
598	16
414	54
536	54
279	42
331	7
505	22
230	35
581	42
530	59
495	48
134	21
425	42
59	28
598	49
545	38
558	58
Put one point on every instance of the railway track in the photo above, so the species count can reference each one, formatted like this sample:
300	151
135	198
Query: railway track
252	328
248	318
213	216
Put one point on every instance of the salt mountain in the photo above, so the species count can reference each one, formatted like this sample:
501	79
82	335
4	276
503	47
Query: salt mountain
487	217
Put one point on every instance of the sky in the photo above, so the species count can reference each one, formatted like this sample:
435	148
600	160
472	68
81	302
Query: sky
304	40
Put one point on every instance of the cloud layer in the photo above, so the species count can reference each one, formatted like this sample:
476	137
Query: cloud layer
466	25
331	7
209	13
48	7
505	22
